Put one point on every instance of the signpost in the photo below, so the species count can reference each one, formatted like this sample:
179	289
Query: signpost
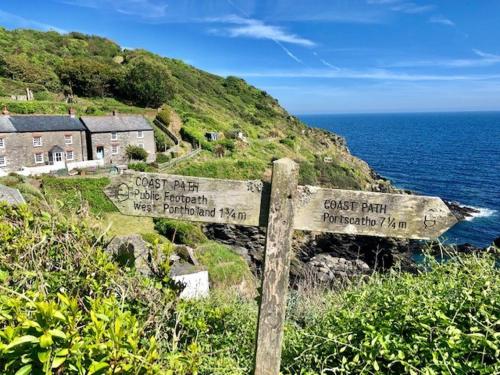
281	207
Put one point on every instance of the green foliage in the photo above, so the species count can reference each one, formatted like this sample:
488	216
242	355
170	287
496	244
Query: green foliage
162	158
339	176
19	67
225	268
65	307
224	168
164	115
148	83
90	77
307	174
442	321
289	141
141	167
180	231
72	193
136	153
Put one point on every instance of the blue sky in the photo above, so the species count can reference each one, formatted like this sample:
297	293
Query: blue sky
324	56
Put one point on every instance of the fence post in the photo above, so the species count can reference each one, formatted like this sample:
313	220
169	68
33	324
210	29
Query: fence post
276	268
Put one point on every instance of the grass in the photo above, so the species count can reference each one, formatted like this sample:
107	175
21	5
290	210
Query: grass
73	193
121	225
226	269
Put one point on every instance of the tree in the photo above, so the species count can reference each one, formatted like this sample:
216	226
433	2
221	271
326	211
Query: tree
91	78
148	83
21	68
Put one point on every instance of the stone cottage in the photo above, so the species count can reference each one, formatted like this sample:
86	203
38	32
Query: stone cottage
109	136
32	141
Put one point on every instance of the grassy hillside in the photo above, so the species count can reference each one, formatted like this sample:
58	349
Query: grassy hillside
99	76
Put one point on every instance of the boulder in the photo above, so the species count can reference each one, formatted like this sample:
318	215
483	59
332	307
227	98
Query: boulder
133	252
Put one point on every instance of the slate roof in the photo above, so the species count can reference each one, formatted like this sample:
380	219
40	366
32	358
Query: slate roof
39	123
5	125
116	123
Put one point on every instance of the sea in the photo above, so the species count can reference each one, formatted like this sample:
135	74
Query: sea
455	156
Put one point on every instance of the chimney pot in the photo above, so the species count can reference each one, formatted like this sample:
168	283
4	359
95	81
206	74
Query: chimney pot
115	112
72	112
5	111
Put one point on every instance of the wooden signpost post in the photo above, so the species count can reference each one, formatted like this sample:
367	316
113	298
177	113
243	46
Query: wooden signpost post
281	207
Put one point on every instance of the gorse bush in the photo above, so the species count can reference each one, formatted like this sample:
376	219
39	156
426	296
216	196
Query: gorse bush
181	232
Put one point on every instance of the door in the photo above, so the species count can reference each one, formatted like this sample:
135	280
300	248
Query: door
100	152
58	158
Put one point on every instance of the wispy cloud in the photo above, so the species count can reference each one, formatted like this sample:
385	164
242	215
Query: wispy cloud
369	74
289	53
403	6
256	29
16	21
327	64
441	20
145	9
483	59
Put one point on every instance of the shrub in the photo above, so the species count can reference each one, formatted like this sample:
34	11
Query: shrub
66	307
180	231
140	167
136	153
162	158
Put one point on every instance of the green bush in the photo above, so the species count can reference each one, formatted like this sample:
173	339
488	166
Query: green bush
140	167
136	153
65	307
164	115
439	322
307	174
162	158
180	231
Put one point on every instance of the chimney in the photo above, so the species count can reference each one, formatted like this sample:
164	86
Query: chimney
5	111
115	112
72	112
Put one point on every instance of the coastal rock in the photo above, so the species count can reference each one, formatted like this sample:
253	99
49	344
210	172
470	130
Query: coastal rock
327	268
131	251
461	212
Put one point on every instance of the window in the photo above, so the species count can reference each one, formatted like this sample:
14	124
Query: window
114	136
37	141
114	149
140	134
39	158
2	143
70	155
68	139
3	161
141	145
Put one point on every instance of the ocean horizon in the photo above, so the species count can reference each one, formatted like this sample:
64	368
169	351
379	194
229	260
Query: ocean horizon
453	155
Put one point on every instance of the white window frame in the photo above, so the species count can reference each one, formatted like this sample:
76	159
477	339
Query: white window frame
115	149
36	144
2	143
68	137
140	134
141	145
114	136
72	155
4	163
36	160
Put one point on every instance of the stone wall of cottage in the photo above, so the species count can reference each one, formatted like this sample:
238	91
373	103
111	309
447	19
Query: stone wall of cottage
20	152
123	139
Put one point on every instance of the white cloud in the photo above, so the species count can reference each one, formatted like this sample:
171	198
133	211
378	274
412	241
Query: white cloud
21	22
484	59
369	74
441	20
403	6
326	63
289	53
145	9
256	29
